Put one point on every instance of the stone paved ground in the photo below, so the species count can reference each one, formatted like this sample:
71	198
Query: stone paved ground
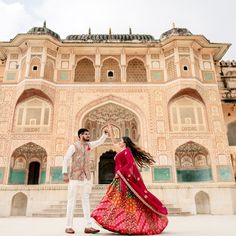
205	225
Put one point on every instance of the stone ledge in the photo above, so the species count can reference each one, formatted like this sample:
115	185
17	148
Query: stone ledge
104	186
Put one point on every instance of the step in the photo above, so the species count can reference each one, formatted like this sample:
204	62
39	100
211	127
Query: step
80	210
56	215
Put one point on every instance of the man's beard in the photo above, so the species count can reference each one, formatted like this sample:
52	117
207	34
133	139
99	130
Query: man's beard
86	140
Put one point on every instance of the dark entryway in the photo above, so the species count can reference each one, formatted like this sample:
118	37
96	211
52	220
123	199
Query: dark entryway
107	167
33	176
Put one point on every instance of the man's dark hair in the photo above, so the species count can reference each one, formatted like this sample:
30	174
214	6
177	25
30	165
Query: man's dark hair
82	131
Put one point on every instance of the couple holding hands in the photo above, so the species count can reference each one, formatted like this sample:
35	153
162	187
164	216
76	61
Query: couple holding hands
127	207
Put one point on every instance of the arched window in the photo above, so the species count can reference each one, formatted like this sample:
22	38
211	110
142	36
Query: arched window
110	71
202	202
171	69
33	115
85	71
49	70
136	71
19	204
185	66
187	114
192	163
35	67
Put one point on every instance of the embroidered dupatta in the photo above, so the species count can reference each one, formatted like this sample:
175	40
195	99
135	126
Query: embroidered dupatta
127	170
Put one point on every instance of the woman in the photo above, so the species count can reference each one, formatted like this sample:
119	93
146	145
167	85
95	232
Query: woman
128	207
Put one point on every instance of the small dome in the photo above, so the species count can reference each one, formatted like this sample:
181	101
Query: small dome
43	30
174	32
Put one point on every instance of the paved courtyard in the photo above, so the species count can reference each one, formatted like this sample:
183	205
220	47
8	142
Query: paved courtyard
205	225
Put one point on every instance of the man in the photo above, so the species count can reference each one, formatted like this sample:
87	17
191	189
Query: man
80	177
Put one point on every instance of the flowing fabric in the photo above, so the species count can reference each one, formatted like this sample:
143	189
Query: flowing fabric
128	207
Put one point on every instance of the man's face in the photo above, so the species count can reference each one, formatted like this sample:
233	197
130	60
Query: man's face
85	136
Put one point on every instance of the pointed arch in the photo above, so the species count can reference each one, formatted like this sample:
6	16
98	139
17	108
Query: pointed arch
49	70
187	111
35	67
110	70
28	164
19	204
192	163
33	112
84	70
185	67
136	71
141	116
202	202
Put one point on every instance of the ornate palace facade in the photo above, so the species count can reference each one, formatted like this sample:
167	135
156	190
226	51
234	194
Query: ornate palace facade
173	96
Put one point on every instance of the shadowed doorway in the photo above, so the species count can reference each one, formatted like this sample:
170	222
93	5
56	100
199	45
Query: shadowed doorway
107	167
33	177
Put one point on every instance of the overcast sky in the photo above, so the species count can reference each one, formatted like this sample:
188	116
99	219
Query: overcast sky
215	19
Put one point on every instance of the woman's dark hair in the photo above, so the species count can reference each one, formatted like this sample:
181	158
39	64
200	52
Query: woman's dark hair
143	159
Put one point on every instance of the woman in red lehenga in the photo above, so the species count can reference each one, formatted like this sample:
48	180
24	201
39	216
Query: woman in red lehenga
128	207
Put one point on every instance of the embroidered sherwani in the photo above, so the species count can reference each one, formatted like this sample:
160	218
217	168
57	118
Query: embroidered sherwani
80	177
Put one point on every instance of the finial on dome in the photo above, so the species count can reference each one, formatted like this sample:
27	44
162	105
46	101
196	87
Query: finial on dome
130	30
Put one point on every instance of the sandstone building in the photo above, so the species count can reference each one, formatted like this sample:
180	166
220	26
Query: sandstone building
173	96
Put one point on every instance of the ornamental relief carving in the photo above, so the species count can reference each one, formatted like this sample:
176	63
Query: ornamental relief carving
30	150
110	112
3	161
124	122
8	95
158	96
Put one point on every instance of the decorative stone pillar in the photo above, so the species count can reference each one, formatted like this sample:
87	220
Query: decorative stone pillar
123	66
43	62
192	62
48	168
163	65
97	66
148	66
176	55
27	62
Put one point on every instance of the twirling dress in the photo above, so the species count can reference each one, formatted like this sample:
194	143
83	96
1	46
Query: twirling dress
128	207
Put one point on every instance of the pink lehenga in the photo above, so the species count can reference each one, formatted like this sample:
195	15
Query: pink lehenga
128	207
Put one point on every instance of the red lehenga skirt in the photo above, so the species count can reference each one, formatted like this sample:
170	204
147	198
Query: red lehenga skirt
124	213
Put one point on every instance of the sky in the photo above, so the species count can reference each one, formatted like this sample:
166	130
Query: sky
215	19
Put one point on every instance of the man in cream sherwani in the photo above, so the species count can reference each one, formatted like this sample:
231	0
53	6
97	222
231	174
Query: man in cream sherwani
80	177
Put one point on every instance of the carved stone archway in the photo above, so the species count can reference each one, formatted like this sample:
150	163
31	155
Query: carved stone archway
28	158
124	121
192	163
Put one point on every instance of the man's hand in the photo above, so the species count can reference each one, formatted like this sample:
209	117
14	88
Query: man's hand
65	178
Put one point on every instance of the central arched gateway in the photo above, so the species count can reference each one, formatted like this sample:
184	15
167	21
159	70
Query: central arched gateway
124	122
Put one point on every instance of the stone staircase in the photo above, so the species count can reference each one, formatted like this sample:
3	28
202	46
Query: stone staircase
59	209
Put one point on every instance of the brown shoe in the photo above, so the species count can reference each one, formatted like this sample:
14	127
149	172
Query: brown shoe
69	231
91	230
